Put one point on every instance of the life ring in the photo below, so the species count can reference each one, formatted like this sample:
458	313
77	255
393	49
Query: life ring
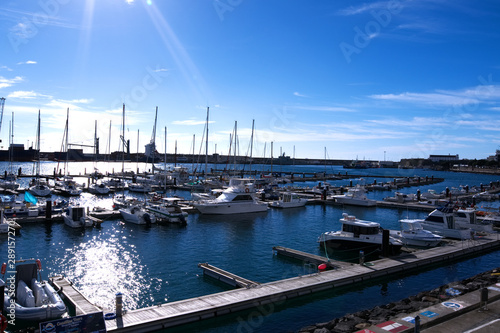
3	323
247	190
109	316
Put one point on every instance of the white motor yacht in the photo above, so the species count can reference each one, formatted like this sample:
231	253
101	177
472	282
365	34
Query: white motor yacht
137	214
442	221
467	219
76	217
413	234
355	196
289	200
358	234
238	198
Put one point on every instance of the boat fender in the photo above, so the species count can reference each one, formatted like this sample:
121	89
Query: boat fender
132	210
109	316
247	190
39	264
147	218
3	323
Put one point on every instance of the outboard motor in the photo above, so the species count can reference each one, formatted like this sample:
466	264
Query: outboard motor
147	218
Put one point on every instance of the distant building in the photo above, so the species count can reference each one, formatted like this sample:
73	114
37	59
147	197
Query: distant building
495	157
443	158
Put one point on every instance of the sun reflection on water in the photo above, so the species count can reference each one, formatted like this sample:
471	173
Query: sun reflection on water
103	266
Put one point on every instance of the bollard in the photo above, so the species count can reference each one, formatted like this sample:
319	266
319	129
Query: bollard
119	304
361	257
484	300
417	324
48	210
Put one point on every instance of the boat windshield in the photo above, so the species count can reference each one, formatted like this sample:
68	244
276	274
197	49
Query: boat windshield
360	230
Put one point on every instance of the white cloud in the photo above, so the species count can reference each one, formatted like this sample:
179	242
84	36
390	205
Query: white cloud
4	82
473	95
8	69
299	94
191	122
25	94
29	62
323	108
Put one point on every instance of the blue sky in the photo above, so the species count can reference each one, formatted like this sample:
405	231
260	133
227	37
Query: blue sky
367	80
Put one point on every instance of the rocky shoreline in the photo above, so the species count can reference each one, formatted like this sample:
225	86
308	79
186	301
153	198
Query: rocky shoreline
379	314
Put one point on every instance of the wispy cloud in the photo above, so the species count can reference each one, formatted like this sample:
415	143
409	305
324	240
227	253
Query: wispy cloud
299	94
8	69
366	7
191	122
478	94
323	108
20	94
4	82
29	62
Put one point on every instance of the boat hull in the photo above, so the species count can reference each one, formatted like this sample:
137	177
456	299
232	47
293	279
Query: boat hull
353	245
55	308
354	202
230	208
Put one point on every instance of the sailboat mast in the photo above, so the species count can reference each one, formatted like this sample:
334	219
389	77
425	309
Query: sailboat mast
38	146
206	144
235	140
251	145
153	141
123	140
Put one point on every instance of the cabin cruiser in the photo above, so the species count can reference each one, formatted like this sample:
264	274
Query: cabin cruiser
355	196
358	234
442	221
99	188
289	200
32	298
413	234
467	219
238	198
401	197
167	209
76	217
137	214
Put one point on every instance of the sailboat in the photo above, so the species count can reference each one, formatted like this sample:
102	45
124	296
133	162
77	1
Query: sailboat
10	179
67	185
39	188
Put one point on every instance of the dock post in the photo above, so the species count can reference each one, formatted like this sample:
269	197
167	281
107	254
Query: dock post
484	300
119	304
361	257
385	242
48	210
417	324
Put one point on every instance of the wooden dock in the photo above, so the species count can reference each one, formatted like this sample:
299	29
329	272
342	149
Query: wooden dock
195	309
72	295
310	258
227	277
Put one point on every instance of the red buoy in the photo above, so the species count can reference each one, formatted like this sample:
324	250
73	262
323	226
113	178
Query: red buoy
4	268
322	267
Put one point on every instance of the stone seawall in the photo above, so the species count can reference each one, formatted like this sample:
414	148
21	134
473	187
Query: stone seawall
379	314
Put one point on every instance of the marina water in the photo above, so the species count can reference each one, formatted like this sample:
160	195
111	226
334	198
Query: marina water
158	264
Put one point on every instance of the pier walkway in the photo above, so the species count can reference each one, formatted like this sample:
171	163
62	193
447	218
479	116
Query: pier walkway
227	277
81	304
195	309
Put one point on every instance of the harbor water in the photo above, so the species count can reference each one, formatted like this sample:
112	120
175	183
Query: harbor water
157	264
